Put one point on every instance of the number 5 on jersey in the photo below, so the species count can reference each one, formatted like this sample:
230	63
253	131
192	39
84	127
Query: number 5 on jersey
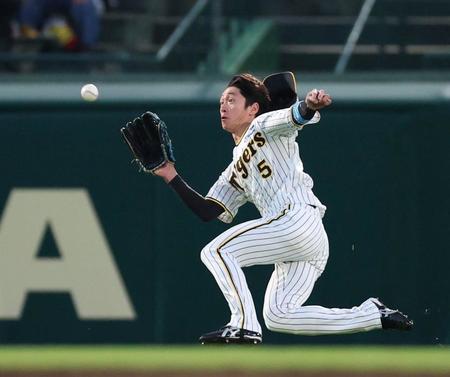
264	169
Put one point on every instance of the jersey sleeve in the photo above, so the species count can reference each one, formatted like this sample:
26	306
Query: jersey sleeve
224	194
283	121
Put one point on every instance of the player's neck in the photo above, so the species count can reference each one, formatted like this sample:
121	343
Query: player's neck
237	135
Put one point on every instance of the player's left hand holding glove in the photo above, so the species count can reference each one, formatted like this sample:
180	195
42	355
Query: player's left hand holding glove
149	142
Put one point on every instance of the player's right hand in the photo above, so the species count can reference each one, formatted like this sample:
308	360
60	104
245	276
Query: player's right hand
317	99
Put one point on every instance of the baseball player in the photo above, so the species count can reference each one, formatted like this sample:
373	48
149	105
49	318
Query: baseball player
267	171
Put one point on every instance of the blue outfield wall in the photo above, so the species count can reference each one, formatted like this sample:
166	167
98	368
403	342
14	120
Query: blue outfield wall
91	251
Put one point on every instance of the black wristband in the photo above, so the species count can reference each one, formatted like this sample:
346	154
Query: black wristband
305	111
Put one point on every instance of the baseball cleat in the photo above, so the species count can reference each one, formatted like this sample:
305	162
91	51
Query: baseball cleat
393	319
231	335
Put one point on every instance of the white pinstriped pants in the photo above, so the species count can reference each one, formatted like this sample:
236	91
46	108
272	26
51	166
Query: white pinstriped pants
296	243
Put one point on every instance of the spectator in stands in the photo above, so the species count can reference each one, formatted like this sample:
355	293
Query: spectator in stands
78	30
9	9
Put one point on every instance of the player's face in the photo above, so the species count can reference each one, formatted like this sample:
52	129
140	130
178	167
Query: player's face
234	115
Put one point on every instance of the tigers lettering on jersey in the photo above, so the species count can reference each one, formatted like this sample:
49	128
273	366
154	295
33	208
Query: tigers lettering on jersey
240	166
266	170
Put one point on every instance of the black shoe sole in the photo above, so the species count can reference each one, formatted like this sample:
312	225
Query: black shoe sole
229	341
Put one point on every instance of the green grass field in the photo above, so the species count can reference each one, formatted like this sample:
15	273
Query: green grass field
410	360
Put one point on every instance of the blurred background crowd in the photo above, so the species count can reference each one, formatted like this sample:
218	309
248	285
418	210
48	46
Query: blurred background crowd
224	36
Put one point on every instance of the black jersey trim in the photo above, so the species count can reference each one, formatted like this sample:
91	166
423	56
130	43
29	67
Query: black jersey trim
242	136
220	204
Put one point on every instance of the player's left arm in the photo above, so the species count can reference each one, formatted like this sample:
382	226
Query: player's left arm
150	144
205	209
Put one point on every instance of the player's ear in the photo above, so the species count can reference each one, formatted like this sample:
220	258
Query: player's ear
254	108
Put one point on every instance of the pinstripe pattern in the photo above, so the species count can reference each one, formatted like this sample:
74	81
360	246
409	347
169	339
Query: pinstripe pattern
290	286
288	182
289	234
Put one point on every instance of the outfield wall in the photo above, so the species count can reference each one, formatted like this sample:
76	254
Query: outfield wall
91	251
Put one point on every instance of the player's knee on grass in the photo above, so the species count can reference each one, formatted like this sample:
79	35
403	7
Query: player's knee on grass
272	316
271	324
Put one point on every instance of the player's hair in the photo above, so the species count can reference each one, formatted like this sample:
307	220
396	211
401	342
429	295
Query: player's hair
253	90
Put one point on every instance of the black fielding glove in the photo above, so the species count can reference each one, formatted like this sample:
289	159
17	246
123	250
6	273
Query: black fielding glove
149	142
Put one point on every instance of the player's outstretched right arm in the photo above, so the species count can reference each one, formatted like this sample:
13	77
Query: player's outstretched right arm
304	111
317	99
206	209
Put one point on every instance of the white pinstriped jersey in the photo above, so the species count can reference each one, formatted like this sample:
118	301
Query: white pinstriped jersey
266	169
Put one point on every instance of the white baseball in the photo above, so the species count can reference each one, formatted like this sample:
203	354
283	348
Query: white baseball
89	92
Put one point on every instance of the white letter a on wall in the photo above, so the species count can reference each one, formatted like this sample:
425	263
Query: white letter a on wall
85	269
